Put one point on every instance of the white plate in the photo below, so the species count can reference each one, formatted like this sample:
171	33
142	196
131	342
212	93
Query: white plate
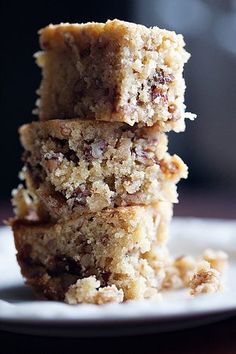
20	312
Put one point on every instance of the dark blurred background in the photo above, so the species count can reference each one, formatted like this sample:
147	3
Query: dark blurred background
209	144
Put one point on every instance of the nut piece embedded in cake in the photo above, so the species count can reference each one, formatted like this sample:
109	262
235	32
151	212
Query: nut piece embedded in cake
82	165
117	71
122	248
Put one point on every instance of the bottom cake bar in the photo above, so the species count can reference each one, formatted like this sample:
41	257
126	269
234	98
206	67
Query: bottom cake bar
113	255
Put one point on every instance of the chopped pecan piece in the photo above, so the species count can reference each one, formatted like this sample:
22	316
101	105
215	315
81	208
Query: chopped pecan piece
53	160
79	196
65	131
144	156
94	150
171	108
170	168
158	92
88	152
163	78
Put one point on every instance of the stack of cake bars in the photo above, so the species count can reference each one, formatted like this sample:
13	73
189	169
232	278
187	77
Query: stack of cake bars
91	221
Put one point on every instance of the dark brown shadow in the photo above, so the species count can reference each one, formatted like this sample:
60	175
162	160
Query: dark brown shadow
17	293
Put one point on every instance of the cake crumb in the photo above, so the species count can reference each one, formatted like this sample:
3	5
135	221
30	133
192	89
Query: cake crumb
205	279
202	274
179	271
217	259
87	290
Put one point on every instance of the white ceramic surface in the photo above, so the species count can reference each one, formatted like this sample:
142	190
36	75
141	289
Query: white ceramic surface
20	312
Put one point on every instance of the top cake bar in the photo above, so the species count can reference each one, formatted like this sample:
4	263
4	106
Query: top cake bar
117	71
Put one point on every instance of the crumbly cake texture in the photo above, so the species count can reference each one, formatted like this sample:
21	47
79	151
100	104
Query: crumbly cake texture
55	274
203	274
88	290
82	165
116	254
113	71
132	263
217	259
205	280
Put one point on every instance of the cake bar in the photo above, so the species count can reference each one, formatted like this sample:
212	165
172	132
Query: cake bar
113	71
115	254
82	165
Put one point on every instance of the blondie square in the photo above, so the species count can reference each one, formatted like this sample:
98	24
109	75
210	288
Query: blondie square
113	255
82	165
113	71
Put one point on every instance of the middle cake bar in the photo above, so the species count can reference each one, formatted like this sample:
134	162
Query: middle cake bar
82	165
